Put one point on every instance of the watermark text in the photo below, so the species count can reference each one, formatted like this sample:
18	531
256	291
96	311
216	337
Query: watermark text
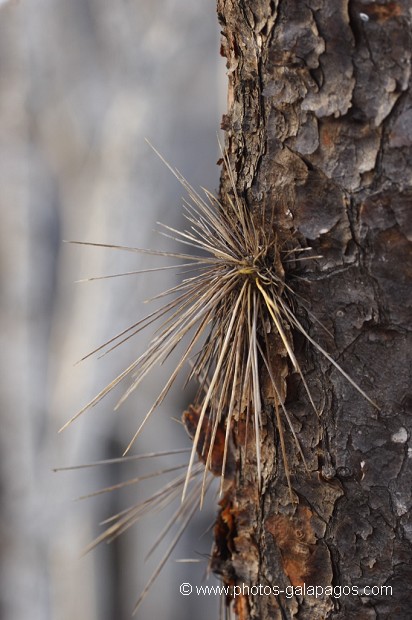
317	591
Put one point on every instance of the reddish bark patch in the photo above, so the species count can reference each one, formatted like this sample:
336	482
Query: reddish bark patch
241	608
190	420
382	12
304	559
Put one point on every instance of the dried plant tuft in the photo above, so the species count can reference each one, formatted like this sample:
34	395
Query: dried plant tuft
221	318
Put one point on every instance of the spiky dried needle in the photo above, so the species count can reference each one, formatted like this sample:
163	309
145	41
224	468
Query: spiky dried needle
221	315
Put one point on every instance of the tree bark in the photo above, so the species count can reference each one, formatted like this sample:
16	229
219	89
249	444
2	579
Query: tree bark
319	129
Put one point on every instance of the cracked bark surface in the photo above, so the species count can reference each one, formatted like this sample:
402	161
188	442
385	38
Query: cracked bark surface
319	128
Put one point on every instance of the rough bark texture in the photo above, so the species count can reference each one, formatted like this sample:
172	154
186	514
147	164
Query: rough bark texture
319	128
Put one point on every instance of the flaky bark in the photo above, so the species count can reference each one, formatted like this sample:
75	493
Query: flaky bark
319	128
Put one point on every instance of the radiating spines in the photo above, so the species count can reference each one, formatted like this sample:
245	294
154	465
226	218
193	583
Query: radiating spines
230	321
168	493
217	318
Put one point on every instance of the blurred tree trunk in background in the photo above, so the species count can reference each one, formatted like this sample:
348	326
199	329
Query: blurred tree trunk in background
319	128
82	83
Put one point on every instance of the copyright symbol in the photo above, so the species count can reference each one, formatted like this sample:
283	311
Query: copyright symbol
185	589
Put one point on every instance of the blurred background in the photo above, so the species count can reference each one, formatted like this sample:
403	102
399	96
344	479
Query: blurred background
82	83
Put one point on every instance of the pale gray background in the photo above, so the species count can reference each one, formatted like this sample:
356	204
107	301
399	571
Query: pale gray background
82	83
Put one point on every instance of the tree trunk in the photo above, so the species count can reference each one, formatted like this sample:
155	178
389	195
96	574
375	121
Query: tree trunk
319	129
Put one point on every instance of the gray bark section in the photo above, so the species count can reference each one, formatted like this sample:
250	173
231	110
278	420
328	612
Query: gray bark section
319	129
